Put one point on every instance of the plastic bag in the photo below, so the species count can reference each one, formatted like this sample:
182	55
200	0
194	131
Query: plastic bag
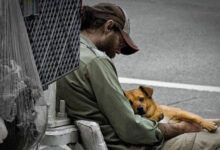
22	105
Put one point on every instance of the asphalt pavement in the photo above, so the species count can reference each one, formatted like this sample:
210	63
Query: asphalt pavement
179	42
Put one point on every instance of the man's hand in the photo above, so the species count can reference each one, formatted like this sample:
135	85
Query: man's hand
170	130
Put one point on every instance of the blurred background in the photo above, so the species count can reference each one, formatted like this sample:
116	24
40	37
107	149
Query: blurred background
179	42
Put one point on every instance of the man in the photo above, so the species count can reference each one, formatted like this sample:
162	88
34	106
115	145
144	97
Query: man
93	92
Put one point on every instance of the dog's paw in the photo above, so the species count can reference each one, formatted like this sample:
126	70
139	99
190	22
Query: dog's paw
209	125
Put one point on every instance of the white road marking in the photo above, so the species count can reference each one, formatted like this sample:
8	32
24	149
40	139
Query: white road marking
169	84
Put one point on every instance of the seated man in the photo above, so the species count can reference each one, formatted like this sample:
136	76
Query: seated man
93	92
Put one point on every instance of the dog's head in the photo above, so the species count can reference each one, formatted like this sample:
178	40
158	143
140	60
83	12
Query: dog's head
143	104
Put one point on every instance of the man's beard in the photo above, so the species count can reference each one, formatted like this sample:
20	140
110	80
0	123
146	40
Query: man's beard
107	47
110	53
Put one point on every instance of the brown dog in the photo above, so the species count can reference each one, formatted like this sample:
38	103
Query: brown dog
143	104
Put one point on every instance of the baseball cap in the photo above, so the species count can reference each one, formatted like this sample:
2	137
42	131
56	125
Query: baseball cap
111	11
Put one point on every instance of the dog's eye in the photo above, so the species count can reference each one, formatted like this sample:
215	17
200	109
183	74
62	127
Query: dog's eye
131	102
141	99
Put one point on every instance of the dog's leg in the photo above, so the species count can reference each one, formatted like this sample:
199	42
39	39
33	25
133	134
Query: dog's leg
183	115
216	121
206	124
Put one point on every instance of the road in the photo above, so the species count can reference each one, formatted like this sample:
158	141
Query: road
179	42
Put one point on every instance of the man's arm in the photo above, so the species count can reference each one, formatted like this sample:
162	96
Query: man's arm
170	130
131	128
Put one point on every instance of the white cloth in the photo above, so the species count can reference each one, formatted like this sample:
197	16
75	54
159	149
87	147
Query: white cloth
3	130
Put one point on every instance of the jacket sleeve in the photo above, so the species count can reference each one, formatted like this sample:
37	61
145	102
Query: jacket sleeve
130	128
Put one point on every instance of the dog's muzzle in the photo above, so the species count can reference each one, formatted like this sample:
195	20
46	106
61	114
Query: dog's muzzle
141	111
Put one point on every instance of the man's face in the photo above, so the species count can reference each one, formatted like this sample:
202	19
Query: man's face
112	43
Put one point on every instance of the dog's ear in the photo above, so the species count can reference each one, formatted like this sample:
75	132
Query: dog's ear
147	90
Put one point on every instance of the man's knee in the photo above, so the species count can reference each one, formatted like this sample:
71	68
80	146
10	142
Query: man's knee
194	141
181	142
207	141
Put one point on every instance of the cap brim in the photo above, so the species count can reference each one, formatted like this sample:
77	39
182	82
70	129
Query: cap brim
131	47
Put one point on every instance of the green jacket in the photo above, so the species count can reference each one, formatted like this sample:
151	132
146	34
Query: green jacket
93	92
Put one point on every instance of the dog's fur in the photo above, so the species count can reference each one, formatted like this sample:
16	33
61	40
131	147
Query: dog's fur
143	104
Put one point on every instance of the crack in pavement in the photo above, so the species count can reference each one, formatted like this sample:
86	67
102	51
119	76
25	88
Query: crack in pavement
182	101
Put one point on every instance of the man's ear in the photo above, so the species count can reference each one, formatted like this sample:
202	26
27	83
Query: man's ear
108	25
147	90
